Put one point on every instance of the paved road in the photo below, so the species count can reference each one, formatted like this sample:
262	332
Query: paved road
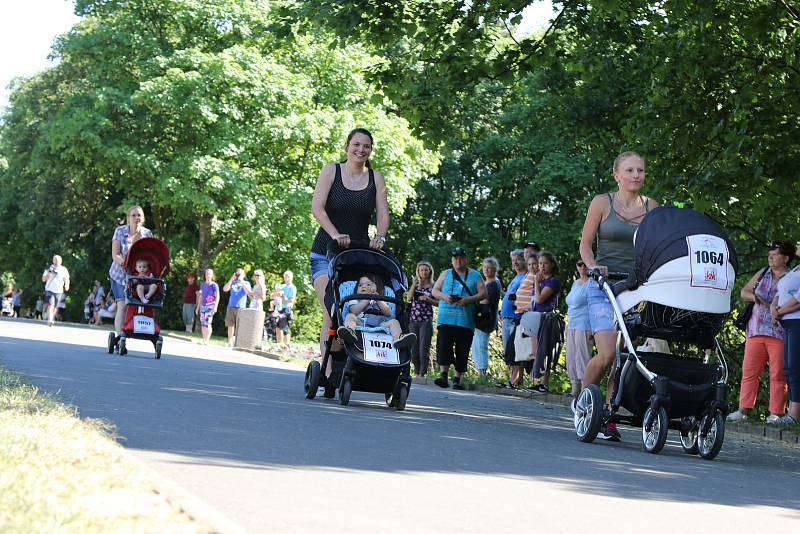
234	430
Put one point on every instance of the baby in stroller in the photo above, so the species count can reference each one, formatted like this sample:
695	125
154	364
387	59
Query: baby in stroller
144	291
372	314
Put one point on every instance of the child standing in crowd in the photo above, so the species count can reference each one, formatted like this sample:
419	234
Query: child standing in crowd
189	302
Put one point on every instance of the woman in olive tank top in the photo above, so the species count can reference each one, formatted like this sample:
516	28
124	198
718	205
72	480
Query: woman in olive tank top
612	219
345	198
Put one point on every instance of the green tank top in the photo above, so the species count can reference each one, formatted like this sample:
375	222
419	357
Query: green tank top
615	239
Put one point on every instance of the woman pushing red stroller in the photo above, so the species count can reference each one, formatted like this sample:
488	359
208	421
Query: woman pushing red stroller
145	266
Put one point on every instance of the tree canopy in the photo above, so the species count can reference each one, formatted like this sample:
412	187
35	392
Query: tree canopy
217	115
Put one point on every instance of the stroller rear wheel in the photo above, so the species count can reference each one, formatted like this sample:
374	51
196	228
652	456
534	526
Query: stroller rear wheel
710	444
655	438
123	350
588	413
112	342
311	383
345	391
159	344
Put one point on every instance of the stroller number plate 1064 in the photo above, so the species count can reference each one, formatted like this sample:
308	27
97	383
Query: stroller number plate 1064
379	348
143	325
708	261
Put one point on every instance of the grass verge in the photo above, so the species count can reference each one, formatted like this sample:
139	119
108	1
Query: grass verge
59	473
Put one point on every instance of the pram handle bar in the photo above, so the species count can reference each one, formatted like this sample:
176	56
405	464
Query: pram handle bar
595	275
333	246
368	296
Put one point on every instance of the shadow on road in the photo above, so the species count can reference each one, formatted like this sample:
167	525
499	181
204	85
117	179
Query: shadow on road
236	414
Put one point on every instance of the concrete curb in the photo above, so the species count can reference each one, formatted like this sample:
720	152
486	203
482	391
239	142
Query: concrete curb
198	510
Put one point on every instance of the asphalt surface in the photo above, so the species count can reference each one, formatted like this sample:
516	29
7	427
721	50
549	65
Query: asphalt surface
235	431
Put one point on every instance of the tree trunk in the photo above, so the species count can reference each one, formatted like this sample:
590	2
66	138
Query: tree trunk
204	241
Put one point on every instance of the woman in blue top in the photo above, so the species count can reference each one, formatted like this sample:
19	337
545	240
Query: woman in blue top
578	336
457	289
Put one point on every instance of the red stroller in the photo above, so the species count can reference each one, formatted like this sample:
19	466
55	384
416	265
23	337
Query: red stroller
140	320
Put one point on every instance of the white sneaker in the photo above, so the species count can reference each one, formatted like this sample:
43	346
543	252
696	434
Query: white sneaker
773	419
737	416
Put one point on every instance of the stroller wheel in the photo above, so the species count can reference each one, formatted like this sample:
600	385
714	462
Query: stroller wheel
112	342
401	394
345	391
655	438
689	439
312	380
588	413
123	350
710	444
159	344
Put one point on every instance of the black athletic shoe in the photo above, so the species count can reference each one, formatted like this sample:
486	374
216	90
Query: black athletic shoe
442	381
609	432
405	340
457	383
347	334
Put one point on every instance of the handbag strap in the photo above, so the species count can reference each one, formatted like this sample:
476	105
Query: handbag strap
461	280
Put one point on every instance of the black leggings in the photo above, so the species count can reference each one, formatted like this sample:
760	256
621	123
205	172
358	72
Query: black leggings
452	346
791	356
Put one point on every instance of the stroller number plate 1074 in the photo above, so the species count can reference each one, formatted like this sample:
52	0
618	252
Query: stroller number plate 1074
379	348
143	325
708	261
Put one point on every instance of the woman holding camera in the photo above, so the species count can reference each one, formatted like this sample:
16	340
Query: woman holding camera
421	317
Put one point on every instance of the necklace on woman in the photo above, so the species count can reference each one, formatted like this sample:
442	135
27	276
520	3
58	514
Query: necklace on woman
622	204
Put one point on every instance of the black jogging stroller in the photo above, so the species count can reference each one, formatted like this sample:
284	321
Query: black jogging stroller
679	292
372	363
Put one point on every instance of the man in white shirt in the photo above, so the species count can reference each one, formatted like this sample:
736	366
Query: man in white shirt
56	282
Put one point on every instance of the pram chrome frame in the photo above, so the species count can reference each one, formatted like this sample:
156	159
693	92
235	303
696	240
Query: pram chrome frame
702	437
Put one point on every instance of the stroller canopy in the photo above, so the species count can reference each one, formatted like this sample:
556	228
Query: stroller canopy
151	249
661	238
683	260
351	263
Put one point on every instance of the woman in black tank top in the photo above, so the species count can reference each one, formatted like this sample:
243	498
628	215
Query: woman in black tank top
346	196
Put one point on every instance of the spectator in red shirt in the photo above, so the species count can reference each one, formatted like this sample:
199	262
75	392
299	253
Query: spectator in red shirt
190	301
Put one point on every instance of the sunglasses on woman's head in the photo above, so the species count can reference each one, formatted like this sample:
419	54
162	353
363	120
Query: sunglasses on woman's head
580	264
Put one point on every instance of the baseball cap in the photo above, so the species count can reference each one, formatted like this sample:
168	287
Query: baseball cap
458	251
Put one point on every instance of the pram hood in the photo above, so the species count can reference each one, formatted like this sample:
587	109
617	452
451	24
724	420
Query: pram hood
663	267
151	249
353	262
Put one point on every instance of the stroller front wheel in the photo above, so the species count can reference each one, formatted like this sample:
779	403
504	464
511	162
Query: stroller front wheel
401	396
710	444
655	438
345	391
312	379
112	342
689	438
588	413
